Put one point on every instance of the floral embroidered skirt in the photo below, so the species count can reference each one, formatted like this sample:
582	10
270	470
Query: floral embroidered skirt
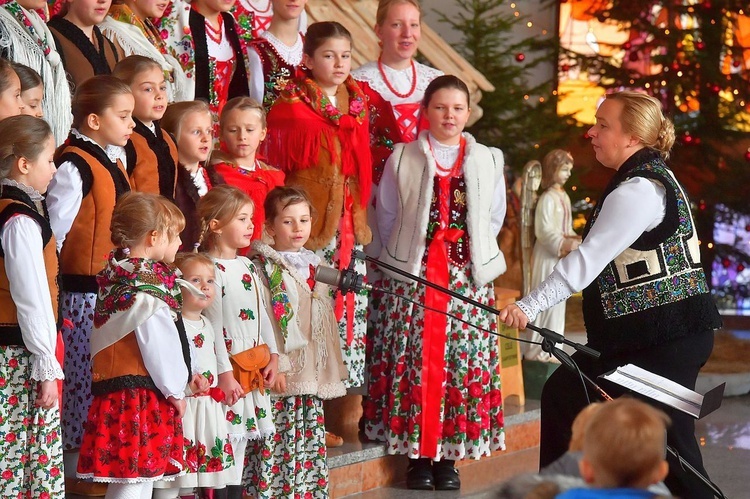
79	309
471	423
31	458
132	435
208	451
291	464
353	352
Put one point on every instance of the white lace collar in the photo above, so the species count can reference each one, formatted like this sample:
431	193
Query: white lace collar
291	55
113	152
301	260
445	155
28	190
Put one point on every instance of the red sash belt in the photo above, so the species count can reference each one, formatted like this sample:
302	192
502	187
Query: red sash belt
346	233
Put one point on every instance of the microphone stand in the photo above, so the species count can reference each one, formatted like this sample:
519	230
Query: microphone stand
550	339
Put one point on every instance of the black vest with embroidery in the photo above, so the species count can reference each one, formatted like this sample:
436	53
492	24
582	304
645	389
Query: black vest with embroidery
655	291
276	71
458	252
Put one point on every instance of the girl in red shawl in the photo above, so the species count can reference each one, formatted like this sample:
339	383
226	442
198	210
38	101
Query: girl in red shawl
242	128
318	134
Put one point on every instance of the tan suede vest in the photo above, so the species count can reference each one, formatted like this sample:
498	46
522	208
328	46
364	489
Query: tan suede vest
8	313
88	243
122	358
145	174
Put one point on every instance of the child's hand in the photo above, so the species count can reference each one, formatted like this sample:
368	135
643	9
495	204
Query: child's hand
231	388
198	384
279	386
179	406
269	372
48	393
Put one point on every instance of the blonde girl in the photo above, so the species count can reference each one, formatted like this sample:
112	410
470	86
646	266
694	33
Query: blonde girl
31	447
395	82
140	366
11	103
208	451
189	123
90	177
319	136
226	219
293	462
151	152
242	128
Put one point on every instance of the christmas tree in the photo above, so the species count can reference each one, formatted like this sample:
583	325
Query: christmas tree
694	56
519	118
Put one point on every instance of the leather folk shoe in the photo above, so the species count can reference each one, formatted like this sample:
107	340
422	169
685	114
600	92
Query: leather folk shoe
419	475
446	476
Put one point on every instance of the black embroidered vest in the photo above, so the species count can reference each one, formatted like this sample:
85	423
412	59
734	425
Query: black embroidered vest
655	291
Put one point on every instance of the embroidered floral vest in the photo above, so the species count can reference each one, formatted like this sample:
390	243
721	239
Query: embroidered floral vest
458	252
655	290
276	71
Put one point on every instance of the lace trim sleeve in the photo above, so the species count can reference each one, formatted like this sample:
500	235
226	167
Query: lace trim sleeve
46	368
553	290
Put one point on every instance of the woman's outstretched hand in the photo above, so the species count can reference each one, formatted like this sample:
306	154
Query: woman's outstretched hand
512	316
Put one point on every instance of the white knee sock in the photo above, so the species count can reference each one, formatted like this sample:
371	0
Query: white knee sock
166	493
124	491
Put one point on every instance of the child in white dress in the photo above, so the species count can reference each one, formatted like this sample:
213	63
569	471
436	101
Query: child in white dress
208	451
226	222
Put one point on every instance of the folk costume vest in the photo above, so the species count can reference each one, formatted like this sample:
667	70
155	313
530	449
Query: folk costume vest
276	71
81	57
655	291
186	198
152	160
415	170
324	149
84	251
130	291
14	201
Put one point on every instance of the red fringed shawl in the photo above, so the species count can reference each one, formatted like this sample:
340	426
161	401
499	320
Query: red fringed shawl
303	120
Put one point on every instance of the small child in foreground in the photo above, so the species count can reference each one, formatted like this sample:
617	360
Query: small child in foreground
624	451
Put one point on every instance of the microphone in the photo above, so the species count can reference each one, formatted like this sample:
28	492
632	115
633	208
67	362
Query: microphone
347	281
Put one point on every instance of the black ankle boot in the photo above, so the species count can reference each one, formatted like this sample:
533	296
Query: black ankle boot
419	474
446	475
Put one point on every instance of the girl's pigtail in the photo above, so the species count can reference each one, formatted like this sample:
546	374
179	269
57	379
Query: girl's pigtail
202	236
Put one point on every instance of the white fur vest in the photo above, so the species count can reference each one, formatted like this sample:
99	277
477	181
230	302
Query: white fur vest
414	169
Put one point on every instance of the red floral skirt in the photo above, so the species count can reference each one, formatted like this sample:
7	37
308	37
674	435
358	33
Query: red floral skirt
132	435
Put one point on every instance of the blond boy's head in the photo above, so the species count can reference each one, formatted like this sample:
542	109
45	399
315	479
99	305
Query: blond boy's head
624	445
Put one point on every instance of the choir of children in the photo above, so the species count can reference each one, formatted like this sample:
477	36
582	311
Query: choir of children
225	360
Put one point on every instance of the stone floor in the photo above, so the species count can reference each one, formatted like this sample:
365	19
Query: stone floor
725	441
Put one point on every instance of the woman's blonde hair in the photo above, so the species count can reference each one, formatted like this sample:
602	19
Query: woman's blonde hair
642	117
221	203
385	5
551	163
138	214
21	136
